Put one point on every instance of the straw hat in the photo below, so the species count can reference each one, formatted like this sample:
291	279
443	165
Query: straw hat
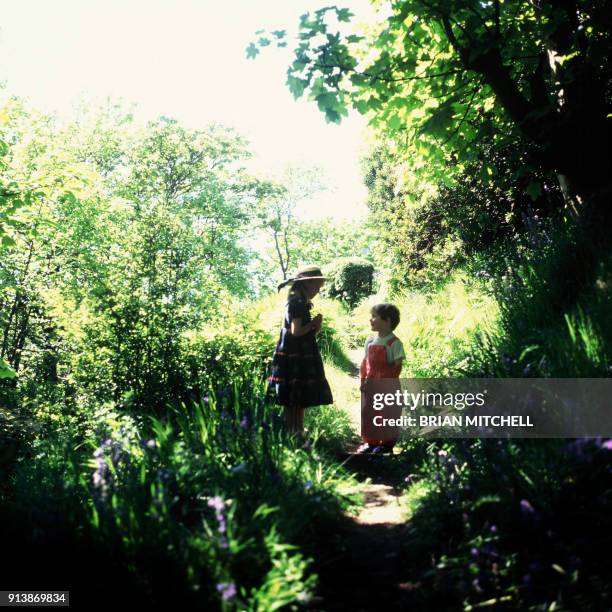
305	273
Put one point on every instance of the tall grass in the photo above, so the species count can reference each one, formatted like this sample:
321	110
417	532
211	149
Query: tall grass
513	524
437	327
553	316
211	505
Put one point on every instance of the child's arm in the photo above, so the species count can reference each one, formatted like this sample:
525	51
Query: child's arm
300	329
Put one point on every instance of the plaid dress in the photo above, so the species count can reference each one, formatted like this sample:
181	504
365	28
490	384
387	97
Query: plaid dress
298	377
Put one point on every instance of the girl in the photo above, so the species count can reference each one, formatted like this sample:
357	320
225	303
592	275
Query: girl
298	378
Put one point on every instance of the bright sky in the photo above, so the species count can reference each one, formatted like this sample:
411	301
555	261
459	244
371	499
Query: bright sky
184	59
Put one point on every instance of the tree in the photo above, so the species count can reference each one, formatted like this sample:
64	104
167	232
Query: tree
123	241
276	211
445	76
425	230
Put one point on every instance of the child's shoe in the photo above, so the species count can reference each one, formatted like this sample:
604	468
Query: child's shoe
382	449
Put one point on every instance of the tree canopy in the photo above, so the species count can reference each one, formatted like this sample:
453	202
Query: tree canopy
444	77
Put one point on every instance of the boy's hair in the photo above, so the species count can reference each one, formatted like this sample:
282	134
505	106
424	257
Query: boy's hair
388	312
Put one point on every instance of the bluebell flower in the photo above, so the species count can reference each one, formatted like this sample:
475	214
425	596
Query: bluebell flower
526	507
227	590
102	478
217	503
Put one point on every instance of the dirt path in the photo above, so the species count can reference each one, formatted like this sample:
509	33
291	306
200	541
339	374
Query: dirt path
359	566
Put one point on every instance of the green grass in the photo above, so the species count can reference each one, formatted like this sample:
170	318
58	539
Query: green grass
437	327
144	499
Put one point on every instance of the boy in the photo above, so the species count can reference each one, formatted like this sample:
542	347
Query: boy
384	354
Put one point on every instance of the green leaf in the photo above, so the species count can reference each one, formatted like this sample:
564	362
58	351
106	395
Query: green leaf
296	85
395	122
354	38
69	197
361	106
252	51
343	14
534	190
6	371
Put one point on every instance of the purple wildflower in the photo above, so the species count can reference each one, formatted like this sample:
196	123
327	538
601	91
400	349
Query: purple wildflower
526	507
102	478
244	423
217	503
227	590
577	447
474	552
607	445
493	529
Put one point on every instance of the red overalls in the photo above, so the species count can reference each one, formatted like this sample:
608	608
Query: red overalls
375	366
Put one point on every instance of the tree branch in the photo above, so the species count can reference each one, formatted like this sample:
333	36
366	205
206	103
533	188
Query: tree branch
497	26
467	110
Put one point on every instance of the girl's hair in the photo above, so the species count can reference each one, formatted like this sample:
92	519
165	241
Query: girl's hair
388	312
297	289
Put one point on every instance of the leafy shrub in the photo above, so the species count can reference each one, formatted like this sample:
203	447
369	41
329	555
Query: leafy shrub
350	280
554	306
226	358
209	505
519	523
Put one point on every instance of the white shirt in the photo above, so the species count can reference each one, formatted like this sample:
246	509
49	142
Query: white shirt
394	352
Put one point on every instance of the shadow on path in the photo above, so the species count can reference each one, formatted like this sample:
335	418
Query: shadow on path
359	565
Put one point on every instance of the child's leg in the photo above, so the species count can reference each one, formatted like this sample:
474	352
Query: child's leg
392	412
294	419
367	414
289	414
299	420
